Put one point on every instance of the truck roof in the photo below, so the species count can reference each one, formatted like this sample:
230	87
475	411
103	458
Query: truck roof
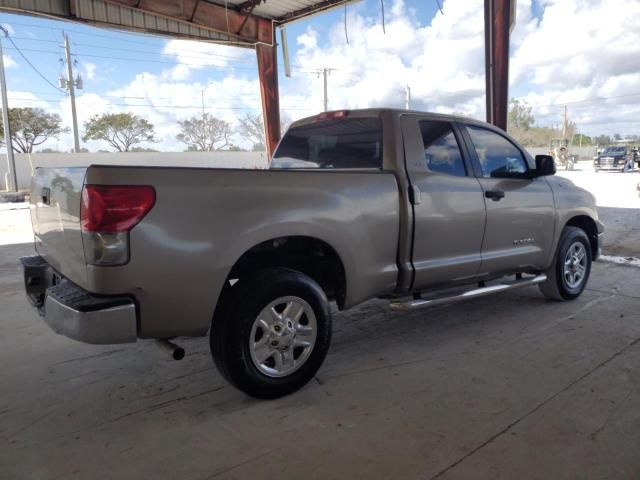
375	112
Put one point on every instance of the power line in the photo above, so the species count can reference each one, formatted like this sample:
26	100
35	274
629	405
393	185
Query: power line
90	45
32	65
587	100
129	59
150	105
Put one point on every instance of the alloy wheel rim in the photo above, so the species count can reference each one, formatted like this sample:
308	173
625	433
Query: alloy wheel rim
283	336
575	266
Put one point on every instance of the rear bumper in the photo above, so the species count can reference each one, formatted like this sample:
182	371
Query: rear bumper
75	313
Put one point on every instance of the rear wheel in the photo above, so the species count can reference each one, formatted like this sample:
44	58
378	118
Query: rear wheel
272	333
569	273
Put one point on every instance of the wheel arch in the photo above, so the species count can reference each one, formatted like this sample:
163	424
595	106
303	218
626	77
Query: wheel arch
588	225
309	255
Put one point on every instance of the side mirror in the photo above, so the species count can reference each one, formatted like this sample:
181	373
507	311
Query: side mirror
545	165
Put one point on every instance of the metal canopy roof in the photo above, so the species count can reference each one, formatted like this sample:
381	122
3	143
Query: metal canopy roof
238	22
282	11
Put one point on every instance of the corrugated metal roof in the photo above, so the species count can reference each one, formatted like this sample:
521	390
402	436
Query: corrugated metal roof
285	10
116	16
120	16
113	14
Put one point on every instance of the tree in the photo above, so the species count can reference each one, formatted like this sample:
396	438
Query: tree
252	128
602	140
143	149
48	150
204	134
120	130
520	116
581	139
31	127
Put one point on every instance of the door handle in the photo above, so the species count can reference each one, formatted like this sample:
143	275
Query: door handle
46	196
494	195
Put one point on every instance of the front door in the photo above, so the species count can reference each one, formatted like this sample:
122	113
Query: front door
520	210
449	213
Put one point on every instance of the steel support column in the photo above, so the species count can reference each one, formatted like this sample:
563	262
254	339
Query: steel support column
498	20
268	75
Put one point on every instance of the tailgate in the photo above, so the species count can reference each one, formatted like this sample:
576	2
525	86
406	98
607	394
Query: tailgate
55	215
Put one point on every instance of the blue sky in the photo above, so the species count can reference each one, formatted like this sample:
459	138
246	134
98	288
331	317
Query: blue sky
440	56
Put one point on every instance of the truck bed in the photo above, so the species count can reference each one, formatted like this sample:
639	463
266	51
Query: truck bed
205	219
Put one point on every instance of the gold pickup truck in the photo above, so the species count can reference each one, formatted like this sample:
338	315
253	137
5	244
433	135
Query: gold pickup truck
417	208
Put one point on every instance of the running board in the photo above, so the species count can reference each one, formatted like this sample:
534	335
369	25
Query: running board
417	303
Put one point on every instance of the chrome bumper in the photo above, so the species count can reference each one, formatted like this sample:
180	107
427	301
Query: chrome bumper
75	313
104	326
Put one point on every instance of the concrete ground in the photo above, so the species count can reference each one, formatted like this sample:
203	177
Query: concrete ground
501	387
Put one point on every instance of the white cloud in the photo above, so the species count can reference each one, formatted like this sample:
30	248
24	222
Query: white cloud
89	70
442	62
584	50
577	50
9	62
192	55
164	102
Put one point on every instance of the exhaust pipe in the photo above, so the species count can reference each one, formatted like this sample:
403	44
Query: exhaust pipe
176	352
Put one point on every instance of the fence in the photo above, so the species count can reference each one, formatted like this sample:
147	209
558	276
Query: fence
583	153
25	163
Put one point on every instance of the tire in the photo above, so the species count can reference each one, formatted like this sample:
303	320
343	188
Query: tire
245	330
558	285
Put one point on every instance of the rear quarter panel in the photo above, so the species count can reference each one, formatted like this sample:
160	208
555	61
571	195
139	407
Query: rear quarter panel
205	219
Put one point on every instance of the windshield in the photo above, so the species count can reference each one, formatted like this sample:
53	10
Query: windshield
614	150
331	144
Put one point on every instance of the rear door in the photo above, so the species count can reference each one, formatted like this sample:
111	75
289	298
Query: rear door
449	213
520	210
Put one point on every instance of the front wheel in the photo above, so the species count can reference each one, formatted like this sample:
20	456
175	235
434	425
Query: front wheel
272	333
568	275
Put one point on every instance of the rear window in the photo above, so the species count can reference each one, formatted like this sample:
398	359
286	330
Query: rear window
344	143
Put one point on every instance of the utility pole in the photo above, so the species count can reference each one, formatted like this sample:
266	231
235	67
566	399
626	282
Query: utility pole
325	73
407	98
11	162
564	123
70	84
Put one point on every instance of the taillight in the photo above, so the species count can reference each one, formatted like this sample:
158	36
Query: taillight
335	115
114	208
107	214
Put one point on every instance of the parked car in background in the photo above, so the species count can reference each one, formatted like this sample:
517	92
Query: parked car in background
417	208
618	157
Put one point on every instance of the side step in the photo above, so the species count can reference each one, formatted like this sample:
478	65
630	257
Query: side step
417	303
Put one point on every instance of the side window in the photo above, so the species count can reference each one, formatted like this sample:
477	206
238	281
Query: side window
498	156
441	150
